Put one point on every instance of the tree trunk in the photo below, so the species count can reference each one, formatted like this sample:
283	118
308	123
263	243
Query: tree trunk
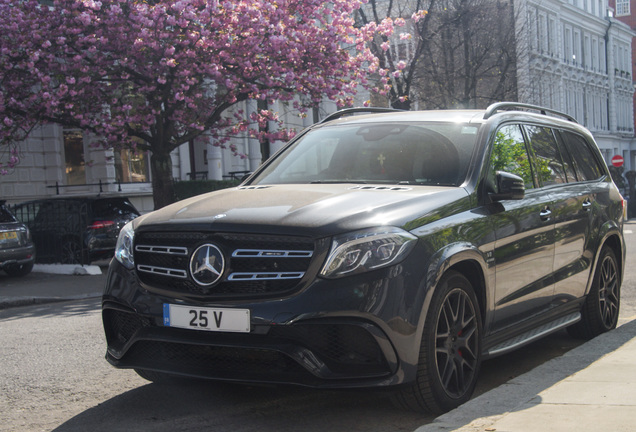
162	182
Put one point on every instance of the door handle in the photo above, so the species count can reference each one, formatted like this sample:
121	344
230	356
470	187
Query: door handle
545	215
587	205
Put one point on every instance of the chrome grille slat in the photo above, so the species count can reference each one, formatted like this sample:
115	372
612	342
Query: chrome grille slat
256	253
170	250
236	277
177	273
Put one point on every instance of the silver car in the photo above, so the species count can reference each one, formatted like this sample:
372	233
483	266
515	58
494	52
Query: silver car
17	253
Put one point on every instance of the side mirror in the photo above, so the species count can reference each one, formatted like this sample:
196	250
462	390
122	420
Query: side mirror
509	187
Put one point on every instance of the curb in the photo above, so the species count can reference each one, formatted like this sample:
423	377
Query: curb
29	301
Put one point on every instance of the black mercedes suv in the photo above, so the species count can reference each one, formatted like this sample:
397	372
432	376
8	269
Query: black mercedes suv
381	249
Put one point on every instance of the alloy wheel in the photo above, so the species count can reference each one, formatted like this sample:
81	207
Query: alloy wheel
608	291
457	343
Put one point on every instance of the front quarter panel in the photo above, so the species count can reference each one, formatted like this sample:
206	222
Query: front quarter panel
464	241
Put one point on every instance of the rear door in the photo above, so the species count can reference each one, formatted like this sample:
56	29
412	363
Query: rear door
579	218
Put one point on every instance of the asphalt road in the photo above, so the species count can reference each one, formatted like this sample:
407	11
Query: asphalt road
54	378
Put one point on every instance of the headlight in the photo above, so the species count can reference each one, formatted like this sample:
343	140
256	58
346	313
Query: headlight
367	250
124	247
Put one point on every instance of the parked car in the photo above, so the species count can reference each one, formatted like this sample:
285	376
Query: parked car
17	253
76	229
392	250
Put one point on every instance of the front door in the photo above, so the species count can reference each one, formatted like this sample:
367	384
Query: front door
524	237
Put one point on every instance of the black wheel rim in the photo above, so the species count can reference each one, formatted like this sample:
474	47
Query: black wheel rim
71	253
608	292
457	343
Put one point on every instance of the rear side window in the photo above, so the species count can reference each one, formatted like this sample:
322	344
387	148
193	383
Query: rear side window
585	163
112	208
5	215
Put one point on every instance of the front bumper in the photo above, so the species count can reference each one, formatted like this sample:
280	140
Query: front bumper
353	332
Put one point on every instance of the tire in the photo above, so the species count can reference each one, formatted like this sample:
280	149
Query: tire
19	269
450	352
599	313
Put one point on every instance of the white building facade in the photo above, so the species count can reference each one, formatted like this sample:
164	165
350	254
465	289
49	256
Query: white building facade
575	57
60	162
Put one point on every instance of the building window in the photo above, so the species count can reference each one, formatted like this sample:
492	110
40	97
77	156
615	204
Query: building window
131	167
74	157
622	7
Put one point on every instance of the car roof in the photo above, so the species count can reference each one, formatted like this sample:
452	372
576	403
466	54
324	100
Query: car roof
494	114
444	116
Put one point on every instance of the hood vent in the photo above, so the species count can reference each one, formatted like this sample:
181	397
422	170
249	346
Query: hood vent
381	188
253	187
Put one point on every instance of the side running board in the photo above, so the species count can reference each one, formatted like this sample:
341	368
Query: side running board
533	335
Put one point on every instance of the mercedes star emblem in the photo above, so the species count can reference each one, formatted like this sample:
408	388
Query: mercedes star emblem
207	264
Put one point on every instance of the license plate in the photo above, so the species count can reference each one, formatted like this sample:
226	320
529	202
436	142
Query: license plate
209	319
8	235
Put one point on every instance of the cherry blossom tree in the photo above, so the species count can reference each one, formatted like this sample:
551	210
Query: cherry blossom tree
151	75
399	40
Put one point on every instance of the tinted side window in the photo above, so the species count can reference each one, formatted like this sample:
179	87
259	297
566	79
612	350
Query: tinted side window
585	163
112	208
548	164
5	215
509	154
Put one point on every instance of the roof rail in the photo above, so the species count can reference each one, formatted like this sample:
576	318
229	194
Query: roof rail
350	111
500	106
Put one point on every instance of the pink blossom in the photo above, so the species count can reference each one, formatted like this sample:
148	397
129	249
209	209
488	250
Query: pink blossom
182	62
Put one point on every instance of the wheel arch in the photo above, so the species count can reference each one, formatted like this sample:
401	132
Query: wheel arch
473	271
614	240
467	259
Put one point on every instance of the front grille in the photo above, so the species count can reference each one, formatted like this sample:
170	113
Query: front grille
256	265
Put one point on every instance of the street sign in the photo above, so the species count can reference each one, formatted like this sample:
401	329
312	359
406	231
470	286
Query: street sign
617	161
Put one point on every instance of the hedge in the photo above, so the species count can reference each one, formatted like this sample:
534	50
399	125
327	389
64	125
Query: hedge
189	188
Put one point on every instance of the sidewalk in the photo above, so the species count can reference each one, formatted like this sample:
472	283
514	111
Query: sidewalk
590	388
46	284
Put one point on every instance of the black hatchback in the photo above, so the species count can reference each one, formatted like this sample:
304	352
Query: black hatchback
392	250
76	230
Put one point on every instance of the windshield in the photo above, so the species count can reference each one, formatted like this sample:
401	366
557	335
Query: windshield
391	153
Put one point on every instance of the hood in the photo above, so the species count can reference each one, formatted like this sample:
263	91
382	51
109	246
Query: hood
315	210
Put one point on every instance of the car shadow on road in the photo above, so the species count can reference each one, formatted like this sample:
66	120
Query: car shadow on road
191	405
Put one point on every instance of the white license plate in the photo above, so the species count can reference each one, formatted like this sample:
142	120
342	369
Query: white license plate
209	319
